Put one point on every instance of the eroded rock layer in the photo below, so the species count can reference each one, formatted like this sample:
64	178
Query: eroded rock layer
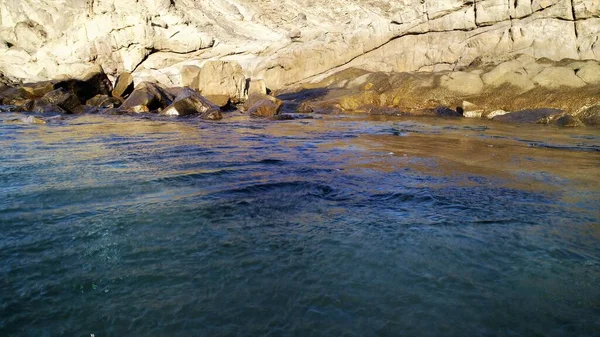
286	41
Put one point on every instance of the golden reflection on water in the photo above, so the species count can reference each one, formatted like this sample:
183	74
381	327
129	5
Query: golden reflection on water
537	157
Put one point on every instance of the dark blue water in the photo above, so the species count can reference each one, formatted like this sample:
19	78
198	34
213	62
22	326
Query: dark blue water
117	226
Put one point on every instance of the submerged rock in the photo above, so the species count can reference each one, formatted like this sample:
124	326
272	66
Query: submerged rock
539	116
26	120
189	102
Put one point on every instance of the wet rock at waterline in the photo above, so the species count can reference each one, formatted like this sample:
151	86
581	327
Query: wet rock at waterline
265	108
147	97
539	116
190	102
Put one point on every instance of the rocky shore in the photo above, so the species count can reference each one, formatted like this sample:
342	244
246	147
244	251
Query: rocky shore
519	89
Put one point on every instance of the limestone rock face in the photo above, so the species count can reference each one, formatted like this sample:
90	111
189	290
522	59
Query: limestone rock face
287	41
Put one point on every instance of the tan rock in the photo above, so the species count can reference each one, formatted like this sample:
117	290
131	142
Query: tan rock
556	77
257	87
463	83
589	73
189	76
219	78
123	85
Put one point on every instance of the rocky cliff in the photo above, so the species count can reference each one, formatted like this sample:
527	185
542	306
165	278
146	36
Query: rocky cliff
286	41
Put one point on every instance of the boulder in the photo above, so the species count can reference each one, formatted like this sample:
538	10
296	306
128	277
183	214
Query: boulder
219	100
189	102
94	82
123	86
14	96
103	101
60	97
189	76
539	116
556	77
446	112
38	89
257	87
254	98
569	121
590	115
42	106
304	107
220	79
146	97
265	108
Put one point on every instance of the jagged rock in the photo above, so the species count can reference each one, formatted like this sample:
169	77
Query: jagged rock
539	116
147	97
60	97
265	108
14	96
556	77
103	101
39	89
123	86
42	106
189	102
222	79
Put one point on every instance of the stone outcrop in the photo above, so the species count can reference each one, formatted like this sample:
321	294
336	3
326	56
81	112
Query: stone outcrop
190	102
520	89
286	42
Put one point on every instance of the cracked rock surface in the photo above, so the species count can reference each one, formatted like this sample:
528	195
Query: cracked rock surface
286	41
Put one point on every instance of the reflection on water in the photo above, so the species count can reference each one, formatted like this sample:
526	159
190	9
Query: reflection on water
357	226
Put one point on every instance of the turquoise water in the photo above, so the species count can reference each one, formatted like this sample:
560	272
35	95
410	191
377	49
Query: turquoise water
333	226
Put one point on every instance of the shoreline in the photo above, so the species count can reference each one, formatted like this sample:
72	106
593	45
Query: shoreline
520	90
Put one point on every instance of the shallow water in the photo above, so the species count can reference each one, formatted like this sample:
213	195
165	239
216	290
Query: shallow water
335	226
